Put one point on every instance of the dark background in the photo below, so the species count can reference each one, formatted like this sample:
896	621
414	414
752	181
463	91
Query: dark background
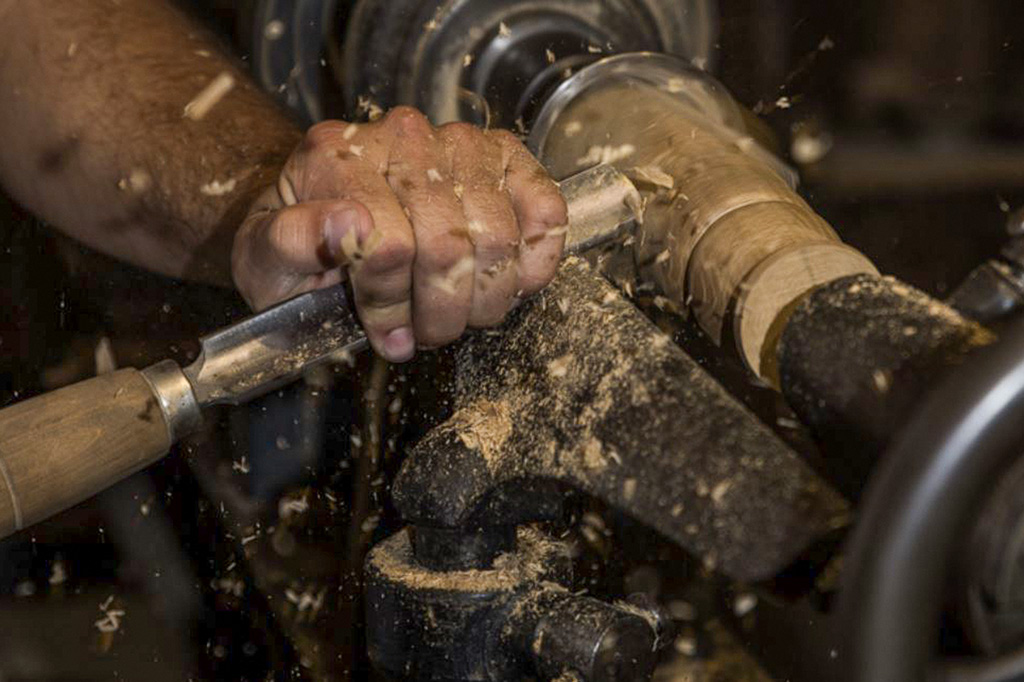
921	103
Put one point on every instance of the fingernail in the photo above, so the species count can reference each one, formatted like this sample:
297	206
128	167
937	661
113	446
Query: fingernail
341	232
399	344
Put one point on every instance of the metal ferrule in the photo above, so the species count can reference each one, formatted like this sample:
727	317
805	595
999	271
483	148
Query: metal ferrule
175	396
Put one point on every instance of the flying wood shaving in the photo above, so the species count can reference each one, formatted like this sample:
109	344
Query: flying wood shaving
216	188
675	85
350	131
572	128
139	180
433	175
503	30
744	604
550	56
369	107
111	622
273	30
104	356
232	586
745	144
882	380
58	575
605	154
467	60
629	489
289	507
653	175
209	96
344	356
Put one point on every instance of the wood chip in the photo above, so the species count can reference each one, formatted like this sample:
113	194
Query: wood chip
605	154
216	188
210	96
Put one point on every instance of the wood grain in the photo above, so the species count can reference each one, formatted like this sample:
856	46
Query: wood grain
63	447
771	288
738	242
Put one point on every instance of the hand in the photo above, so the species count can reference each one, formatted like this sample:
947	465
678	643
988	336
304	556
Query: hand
438	228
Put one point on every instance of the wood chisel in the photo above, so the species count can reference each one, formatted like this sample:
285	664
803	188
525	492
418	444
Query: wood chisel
59	448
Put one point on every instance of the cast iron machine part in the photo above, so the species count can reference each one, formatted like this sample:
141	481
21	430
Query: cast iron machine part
580	388
492	61
922	499
489	61
493	602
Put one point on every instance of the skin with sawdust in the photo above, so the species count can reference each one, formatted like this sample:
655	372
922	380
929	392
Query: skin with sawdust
127	126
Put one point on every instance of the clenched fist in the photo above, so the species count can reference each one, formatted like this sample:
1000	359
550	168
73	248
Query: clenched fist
437	228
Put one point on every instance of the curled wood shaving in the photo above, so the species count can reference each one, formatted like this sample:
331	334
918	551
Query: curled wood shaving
653	175
605	154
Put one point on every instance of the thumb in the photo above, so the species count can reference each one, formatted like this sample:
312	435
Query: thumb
276	252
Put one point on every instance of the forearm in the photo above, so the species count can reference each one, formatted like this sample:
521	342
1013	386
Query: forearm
95	137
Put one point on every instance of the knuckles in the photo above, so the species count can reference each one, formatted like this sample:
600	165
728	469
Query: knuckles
324	135
461	135
395	251
408	122
442	255
550	207
506	138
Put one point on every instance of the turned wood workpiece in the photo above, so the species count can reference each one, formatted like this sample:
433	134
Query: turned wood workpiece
725	236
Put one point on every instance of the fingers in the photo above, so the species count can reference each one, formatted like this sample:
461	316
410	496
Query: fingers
345	160
439	229
540	213
382	278
477	171
443	270
281	253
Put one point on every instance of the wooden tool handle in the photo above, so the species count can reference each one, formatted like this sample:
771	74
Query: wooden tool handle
63	447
